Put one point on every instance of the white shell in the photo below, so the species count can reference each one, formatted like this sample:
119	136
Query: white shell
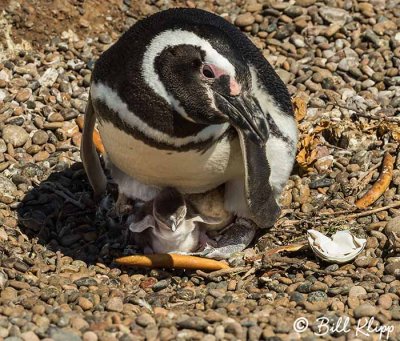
340	248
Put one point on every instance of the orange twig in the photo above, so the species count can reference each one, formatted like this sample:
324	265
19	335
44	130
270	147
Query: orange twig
380	186
172	261
96	136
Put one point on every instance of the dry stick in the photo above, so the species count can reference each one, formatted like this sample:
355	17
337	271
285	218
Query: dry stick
343	217
222	272
365	213
248	273
65	196
381	185
366	178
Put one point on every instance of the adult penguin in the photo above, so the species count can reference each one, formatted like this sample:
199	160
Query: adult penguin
184	99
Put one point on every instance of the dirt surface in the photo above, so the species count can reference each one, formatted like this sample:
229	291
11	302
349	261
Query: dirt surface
39	21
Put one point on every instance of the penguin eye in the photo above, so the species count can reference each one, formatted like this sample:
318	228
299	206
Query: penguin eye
207	71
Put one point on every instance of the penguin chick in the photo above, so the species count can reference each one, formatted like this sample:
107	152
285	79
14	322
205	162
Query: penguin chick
211	204
172	227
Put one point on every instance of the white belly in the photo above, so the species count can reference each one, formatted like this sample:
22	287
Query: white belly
188	171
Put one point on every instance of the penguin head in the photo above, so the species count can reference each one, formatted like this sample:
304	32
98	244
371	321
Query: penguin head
192	82
203	85
169	209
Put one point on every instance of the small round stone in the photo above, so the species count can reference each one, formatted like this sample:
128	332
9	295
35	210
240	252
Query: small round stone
89	336
115	304
244	20
145	320
84	303
15	135
365	310
356	291
385	301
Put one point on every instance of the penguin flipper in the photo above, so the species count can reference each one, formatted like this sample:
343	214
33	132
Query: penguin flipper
260	197
90	158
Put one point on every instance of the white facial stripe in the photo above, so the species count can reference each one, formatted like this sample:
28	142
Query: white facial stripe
281	163
285	123
105	94
280	154
173	38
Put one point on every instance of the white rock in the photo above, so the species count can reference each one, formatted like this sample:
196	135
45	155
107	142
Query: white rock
3	94
4	76
49	77
335	15
284	75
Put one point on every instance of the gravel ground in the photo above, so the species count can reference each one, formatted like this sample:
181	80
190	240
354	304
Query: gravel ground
57	278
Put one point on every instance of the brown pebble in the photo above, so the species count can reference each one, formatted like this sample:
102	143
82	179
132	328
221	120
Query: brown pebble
41	156
85	303
232	285
38	309
29	336
385	301
115	304
145	320
18	284
23	95
365	310
315	306
55	117
89	336
245	19
353	302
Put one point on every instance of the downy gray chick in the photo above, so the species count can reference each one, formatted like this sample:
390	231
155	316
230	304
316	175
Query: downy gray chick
170	224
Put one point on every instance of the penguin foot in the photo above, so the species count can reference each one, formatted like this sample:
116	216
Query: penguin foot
122	205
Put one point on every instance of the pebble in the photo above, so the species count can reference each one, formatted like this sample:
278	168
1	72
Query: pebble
317	296
385	301
3	280
29	336
305	3
15	135
89	336
356	291
196	323
393	269
40	137
85	304
145	320
86	281
61	335
244	20
334	15
48	78
365	310
115	304
23	95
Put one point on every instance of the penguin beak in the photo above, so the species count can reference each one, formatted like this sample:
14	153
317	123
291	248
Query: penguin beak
245	114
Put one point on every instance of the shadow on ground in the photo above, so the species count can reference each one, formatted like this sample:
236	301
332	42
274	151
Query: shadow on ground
62	216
